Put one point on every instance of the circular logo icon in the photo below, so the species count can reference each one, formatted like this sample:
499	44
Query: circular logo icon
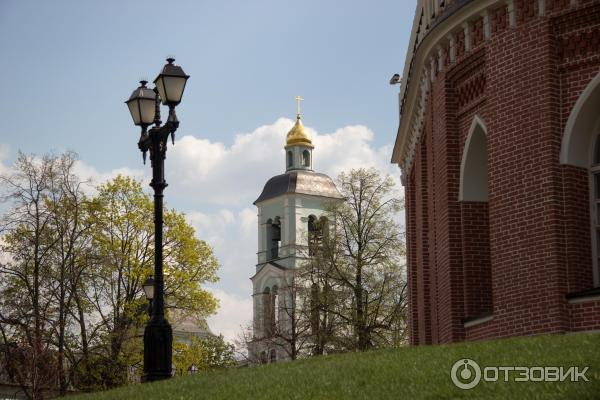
465	374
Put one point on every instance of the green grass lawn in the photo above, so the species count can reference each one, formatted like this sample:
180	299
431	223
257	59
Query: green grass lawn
407	373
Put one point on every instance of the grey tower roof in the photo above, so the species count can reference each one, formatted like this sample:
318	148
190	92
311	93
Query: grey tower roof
299	181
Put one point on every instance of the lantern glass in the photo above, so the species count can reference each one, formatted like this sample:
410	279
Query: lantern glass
134	110
149	288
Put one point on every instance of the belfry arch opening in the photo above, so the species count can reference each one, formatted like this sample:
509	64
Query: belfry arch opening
273	227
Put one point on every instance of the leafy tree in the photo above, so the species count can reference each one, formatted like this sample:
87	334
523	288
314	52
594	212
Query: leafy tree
204	353
27	305
355	268
123	240
372	257
71	269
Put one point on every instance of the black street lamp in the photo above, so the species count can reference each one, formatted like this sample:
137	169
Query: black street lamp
144	106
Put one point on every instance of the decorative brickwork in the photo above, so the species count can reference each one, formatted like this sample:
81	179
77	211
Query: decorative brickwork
510	265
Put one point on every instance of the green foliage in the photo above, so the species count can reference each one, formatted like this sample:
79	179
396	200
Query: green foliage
406	373
72	270
204	354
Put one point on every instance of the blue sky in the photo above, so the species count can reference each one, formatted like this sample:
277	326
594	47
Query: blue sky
68	66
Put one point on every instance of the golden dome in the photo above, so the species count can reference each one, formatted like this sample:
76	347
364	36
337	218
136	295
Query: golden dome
298	135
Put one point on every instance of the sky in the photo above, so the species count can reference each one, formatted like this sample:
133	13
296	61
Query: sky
68	66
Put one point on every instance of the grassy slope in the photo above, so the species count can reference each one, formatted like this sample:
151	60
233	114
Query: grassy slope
407	373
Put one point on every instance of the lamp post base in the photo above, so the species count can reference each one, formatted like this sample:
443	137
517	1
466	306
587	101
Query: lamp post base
158	349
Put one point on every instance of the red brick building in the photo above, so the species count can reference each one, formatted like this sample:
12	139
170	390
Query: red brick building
499	149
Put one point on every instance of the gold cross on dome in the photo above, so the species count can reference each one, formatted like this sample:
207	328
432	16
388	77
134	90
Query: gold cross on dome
299	99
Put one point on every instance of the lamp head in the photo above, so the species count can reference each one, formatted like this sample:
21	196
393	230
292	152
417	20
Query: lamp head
171	83
141	105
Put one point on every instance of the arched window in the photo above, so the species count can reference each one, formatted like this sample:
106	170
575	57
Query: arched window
266	311
263	357
306	158
474	165
273	238
314	235
273	356
473	196
276	238
580	149
290	159
324	225
595	201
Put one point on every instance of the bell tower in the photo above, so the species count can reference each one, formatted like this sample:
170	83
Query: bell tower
289	204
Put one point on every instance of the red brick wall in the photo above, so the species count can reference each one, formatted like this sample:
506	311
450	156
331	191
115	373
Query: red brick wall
585	316
578	242
519	254
411	256
524	139
476	258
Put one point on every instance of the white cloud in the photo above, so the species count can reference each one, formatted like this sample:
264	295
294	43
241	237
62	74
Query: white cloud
211	227
234	313
89	173
214	173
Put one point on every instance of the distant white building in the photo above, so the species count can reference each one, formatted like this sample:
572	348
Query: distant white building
287	206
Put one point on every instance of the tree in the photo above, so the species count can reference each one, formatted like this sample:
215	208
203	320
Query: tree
204	353
71	270
35	248
372	255
123	243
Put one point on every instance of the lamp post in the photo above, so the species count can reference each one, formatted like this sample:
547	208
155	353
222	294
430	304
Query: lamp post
144	106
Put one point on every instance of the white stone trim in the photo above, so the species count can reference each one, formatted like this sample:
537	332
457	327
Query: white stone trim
479	321
440	54
467	30
452	44
487	26
512	14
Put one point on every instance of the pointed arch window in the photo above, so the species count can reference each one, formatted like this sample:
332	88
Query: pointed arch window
595	203
474	165
473	197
